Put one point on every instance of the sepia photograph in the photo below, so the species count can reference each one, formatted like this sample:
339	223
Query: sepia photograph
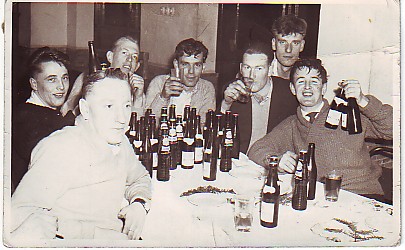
209	124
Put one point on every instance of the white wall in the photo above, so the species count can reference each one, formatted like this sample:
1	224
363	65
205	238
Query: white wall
361	41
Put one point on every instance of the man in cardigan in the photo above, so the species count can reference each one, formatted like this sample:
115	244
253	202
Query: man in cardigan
271	100
335	149
186	87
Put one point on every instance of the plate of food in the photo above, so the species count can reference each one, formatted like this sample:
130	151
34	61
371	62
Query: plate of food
341	230
208	196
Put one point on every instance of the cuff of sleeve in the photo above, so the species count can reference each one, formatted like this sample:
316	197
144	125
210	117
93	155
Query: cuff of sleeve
372	108
146	205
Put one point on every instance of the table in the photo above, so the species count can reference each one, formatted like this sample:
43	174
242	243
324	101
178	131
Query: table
174	222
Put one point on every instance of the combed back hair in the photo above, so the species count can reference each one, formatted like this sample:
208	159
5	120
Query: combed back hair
310	64
289	24
92	79
43	55
129	38
261	48
190	47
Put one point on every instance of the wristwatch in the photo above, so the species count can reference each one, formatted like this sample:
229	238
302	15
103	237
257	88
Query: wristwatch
145	205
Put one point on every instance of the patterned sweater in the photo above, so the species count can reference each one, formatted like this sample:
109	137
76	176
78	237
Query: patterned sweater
335	149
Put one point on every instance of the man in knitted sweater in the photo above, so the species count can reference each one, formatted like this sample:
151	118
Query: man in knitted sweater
335	149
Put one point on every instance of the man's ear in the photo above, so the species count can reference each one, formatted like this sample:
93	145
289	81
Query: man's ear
84	108
273	43
34	84
302	45
324	88
292	88
109	56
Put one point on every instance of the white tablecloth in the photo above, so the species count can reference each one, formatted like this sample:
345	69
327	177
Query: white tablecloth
174	222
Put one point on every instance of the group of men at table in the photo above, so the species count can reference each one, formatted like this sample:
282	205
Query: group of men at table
75	173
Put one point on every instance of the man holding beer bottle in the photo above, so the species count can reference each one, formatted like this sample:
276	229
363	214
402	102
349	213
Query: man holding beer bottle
261	101
336	148
185	86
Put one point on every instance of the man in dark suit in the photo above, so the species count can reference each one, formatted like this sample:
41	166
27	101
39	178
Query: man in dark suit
262	101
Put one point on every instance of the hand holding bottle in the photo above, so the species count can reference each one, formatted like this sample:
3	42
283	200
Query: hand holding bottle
137	84
352	89
287	162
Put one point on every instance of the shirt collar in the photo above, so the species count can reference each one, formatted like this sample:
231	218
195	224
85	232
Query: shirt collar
317	108
264	94
35	99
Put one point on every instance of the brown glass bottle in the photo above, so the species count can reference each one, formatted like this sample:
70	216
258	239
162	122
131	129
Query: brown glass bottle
270	198
163	170
94	63
154	140
138	137
131	133
198	142
210	158
312	172
334	114
187	161
300	192
226	155
236	137
180	136
147	157
173	144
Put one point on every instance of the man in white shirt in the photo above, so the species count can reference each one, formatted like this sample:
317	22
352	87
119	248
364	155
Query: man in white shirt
185	86
271	100
288	41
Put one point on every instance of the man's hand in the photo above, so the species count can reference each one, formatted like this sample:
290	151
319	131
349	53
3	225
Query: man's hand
41	225
287	162
352	88
172	87
137	84
134	216
233	91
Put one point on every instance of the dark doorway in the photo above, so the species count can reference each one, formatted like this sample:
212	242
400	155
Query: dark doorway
240	24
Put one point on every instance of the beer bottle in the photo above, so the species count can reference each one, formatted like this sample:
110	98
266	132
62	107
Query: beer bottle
173	144
132	127
138	137
180	136
94	63
187	161
226	155
208	120
210	158
172	113
147	159
334	115
270	198
199	143
154	140
220	135
353	117
193	116
343	109
163	112
163	173
300	193
312	171
163	122
186	114
236	137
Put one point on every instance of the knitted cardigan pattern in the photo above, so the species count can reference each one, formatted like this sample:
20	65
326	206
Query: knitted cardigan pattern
335	149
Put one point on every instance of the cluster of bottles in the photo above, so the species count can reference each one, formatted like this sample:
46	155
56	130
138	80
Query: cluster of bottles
344	112
304	187
180	141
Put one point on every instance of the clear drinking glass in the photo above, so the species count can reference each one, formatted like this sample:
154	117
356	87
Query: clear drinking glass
243	216
248	84
333	182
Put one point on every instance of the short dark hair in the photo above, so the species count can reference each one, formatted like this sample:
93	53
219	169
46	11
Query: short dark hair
309	63
190	47
99	75
260	48
289	24
129	38
43	55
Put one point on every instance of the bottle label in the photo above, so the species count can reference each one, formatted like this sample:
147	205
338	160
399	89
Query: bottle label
132	133
166	141
198	136
172	138
269	189
187	158
198	154
228	142
267	212
155	159
166	148
153	141
339	100
189	141
179	129
298	171
220	133
208	151
344	120
207	169
180	136
137	144
172	132
333	117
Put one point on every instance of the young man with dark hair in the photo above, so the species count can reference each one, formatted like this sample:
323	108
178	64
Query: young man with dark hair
271	100
335	148
288	41
40	115
187	88
79	176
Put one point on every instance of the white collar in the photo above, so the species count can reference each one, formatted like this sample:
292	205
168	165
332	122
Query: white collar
35	99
